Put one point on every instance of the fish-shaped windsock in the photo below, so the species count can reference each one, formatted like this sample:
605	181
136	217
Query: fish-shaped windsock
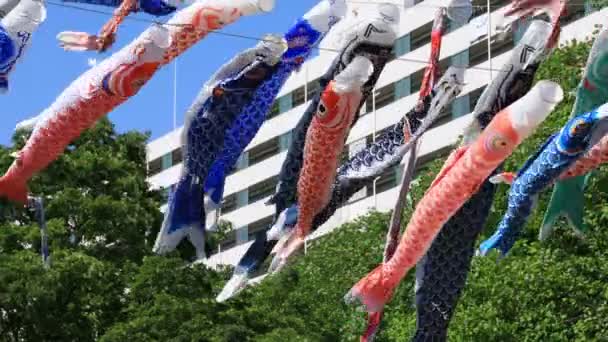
356	173
82	41
461	176
568	195
324	143
442	273
203	136
113	81
559	152
216	127
16	29
372	37
412	133
301	38
351	177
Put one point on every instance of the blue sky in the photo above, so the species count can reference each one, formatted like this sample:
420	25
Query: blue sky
46	70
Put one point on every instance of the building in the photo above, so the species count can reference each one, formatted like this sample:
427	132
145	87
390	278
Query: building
256	176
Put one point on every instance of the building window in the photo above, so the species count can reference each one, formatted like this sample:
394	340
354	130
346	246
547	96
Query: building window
478	53
166	161
155	167
262	189
480	7
177	156
384	96
274	110
243	161
402	45
416	81
386	181
461	59
285	141
242	235
403	88
264	151
474	96
298	96
461	106
312	89
228	204
498	48
577	10
164	194
258	226
285	103
242	198
421	36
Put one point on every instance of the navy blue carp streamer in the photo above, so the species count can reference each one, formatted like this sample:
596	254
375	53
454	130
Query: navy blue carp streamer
372	38
301	39
20	19
242	89
558	153
441	274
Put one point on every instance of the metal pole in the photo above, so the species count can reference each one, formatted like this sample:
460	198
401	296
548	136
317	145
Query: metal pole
175	94
374	140
489	38
306	84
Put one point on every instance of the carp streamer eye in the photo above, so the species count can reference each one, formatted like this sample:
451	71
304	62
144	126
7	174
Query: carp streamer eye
578	127
322	110
496	143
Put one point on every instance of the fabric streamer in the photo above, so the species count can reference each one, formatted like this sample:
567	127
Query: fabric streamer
244	87
82	41
319	21
411	144
568	195
19	21
113	81
326	137
461	176
369	37
203	135
558	153
442	273
356	173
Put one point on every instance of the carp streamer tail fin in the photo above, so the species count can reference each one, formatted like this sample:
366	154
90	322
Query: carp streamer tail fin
184	213
568	200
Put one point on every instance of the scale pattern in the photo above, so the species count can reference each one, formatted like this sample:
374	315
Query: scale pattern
445	267
541	170
301	38
379	55
91	97
463	173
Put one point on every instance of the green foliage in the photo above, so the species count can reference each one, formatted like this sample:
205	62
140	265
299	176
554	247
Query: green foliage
108	287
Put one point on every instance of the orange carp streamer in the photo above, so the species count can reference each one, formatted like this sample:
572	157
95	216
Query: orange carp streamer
462	174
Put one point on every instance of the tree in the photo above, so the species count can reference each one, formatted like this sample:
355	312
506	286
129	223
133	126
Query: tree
109	287
98	193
